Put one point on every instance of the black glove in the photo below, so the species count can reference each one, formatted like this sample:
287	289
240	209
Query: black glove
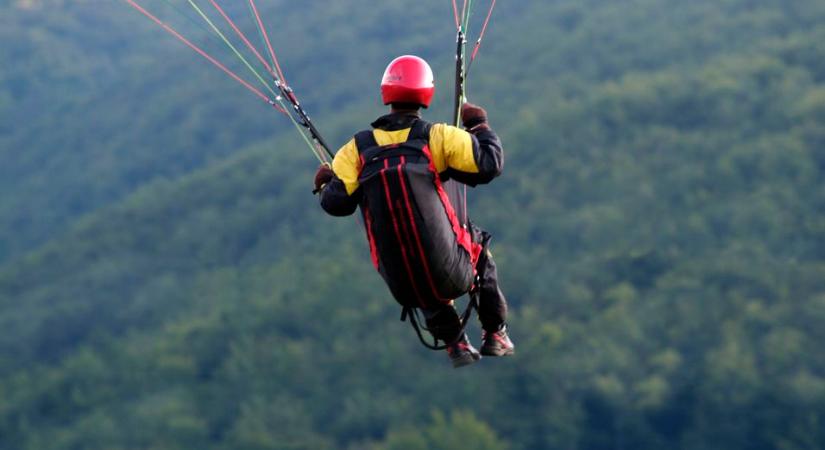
473	117
322	176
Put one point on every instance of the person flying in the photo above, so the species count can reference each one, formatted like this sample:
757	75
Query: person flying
404	173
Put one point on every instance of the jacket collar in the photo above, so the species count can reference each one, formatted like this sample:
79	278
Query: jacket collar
396	121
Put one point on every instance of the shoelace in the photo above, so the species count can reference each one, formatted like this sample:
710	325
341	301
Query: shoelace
497	335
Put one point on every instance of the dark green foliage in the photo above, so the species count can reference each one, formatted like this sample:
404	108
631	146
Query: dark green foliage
660	232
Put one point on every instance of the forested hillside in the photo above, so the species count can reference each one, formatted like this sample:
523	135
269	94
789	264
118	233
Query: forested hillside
96	100
660	232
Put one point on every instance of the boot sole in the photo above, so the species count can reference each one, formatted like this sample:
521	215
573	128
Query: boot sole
466	360
498	352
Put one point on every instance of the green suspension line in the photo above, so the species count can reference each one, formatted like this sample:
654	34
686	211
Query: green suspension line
461	63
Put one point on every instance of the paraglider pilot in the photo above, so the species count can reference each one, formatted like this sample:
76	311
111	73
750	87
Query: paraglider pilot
405	174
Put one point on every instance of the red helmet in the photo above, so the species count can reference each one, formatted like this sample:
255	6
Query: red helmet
408	79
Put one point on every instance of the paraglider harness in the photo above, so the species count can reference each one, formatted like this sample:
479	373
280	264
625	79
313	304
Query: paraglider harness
392	168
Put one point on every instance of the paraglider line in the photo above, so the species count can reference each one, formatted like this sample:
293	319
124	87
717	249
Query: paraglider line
481	35
268	42
209	58
243	37
237	53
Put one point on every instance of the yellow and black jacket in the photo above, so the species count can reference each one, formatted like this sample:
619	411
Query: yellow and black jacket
403	175
468	158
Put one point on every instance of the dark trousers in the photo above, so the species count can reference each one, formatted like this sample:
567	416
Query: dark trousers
444	322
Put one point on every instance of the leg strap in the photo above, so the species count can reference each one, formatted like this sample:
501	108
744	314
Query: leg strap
412	313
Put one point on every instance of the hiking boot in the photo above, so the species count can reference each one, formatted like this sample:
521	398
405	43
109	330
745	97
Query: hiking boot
497	343
462	353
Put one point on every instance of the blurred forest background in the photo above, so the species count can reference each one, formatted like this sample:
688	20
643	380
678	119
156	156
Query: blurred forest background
167	280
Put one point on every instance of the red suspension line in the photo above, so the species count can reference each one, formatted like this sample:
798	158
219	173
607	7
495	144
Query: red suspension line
243	37
455	13
268	42
483	30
